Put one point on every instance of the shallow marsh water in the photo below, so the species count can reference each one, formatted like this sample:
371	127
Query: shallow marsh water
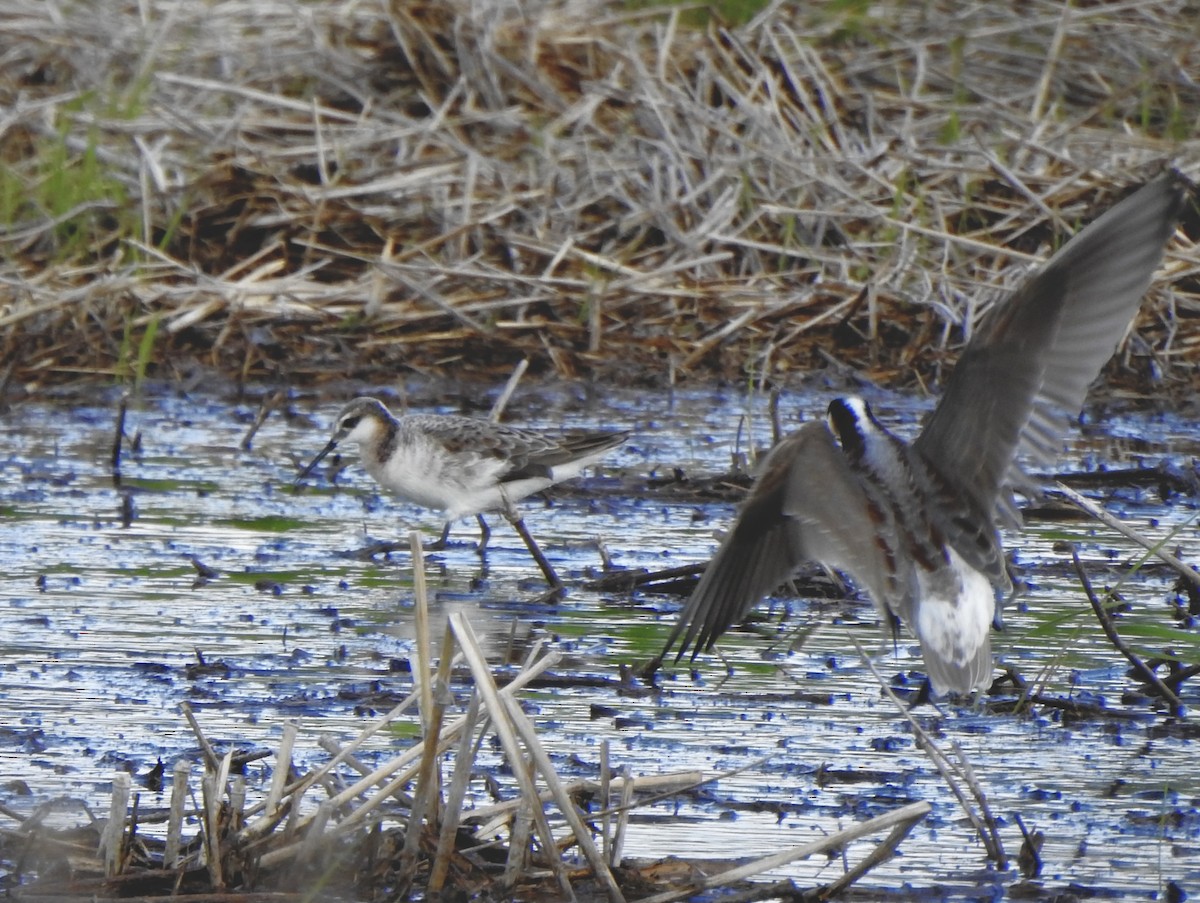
103	620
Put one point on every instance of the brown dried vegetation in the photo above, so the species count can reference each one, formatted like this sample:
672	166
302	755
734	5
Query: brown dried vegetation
291	191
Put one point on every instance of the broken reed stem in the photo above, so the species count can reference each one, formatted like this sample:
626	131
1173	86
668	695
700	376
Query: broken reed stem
463	762
390	770
509	388
422	672
990	838
332	747
583	834
881	854
618	844
119	438
424	806
518	839
270	403
442	699
906	817
345	751
111	839
595	300
237	802
490	818
605	795
213	785
283	766
476	661
1155	547
314	837
678	782
1110	631
976	789
179	794
211	760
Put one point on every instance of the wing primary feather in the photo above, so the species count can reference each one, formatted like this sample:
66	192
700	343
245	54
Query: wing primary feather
806	505
1026	370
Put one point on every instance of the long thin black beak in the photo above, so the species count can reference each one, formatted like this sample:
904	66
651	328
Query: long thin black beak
329	446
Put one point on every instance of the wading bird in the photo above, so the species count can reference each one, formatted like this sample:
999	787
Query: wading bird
915	523
461	466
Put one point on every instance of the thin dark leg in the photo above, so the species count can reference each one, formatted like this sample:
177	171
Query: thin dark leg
440	543
510	514
485	533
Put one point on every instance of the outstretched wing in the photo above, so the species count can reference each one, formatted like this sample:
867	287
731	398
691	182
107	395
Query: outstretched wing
806	505
1026	370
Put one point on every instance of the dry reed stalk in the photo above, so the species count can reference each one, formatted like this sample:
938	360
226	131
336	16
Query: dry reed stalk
516	864
583	835
463	761
662	786
332	747
211	760
505	396
283	766
903	819
111	839
390	776
881	854
424	808
626	807
500	715
315	837
213	790
237	802
299	786
422	669
179	794
605	796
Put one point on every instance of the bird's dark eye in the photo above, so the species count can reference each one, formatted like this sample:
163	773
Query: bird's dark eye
350	423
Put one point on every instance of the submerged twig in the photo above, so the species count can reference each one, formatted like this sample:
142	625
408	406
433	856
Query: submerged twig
985	825
119	438
1029	859
1110	631
270	403
1154	546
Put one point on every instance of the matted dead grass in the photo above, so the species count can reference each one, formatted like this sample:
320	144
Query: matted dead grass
293	191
